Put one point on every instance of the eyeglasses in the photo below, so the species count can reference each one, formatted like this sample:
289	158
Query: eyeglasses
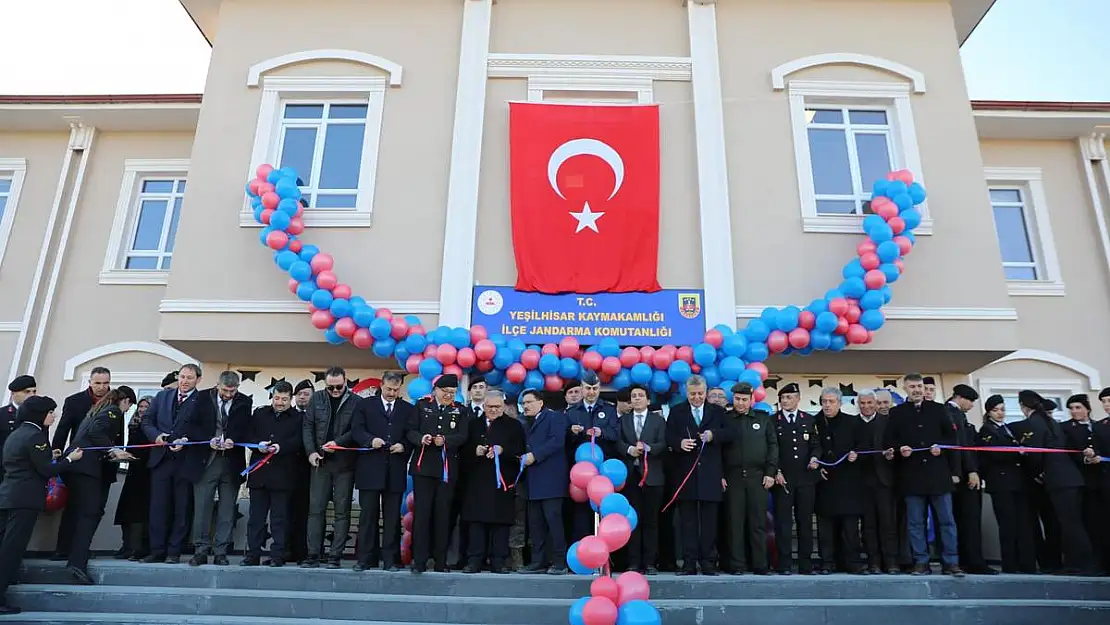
337	387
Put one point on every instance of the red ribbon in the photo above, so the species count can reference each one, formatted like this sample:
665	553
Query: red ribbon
643	479
693	467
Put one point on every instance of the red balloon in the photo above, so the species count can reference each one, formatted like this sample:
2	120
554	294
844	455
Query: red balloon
253	185
322	319
406	522
485	349
870	261
326	280
465	357
568	347
264	187
412	364
292	285
406	554
599	487
277	240
484	366
591	361
516	373
478	333
852	316
777	342
430	351
605	586
838	306
581	474
345	327
417	329
550	348
362	339
760	368
841	325
900	265
398	327
647	354
340	290
759	394
383	313
577	494
615	530
321	262
57	494
592	551
446	354
799	338
856	334
663	358
629	356
296	226
530	358
905	176
270	200
883	207
611	365
552	382
633	587
714	337
865	247
264	170
296	246
599	610
874	279
454	370
904	244
807	320
897	224
685	354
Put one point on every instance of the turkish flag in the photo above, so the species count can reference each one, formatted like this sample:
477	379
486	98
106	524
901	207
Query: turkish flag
585	197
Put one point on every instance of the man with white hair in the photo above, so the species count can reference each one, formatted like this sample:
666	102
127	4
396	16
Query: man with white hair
840	500
880	533
883	401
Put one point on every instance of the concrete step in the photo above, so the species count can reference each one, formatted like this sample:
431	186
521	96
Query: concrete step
223	602
663	587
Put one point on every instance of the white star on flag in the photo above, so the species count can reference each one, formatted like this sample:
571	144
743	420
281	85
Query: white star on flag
586	219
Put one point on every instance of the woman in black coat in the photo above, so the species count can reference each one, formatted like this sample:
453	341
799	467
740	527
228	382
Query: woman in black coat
489	503
278	427
133	507
28	465
1004	479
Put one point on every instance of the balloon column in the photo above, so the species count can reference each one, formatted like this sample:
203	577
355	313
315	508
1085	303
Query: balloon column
620	601
406	523
846	315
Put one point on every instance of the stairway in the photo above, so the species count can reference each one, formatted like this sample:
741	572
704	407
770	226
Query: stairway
156	594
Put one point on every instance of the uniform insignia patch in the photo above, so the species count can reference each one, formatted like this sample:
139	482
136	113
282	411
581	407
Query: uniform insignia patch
805	437
452	424
41	447
755	426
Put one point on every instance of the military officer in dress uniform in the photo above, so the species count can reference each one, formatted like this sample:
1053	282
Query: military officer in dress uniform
437	431
21	388
1079	435
795	490
967	501
1004	478
1091	455
751	463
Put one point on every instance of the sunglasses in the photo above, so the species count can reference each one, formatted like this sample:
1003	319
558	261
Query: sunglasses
337	387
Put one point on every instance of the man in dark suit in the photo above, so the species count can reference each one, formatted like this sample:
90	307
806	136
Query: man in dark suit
166	421
642	445
222	417
795	490
880	530
21	388
74	409
696	433
548	478
967	501
925	478
296	544
595	417
379	424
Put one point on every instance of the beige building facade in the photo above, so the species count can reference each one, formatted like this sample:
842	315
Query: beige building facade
126	240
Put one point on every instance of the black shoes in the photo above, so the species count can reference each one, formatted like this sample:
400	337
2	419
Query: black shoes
199	559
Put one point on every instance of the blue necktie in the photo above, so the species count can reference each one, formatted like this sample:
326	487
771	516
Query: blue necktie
697	416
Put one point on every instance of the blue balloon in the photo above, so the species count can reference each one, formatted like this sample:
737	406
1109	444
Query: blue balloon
711	374
494	377
574	564
660	382
286	259
341	308
730	367
415	343
331	336
609	347
826	322
247	188
640	373
534	380
549	364
638	612
418	388
273	176
615	503
853	287
879	187
617	473
872	221
890	270
913	219
903	201
888	251
622	380
364	316
769	315
300	271
279	220
589	452
805	351
633	518
732	345
750	376
853	269
569	368
430	368
308	252
498	340
384	347
679	371
872	319
705	354
837	343
380	328
871	300
819	340
818	306
787	318
287	188
917	193
888	294
757	331
724	329
895	187
322	299
305	290
257	211
503	359
516	346
757	352
460	338
832	294
512	389
401	353
288	206
764	406
880	233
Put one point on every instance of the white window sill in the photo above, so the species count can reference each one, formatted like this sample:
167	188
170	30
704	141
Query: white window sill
321	218
1035	288
850	224
135	277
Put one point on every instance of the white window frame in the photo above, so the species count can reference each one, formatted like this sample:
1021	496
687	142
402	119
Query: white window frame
137	380
1030	182
280	90
894	98
1063	387
16	169
126	219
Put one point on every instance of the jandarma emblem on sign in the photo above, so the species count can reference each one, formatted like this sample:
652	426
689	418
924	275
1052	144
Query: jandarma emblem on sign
689	305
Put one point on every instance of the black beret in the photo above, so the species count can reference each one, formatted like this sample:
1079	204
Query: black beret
447	380
476	379
22	383
790	388
590	378
1104	393
742	388
929	380
302	385
38	405
993	401
572	384
171	378
965	391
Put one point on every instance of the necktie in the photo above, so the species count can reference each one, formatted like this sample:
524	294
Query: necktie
181	399
389	409
790	418
223	413
697	416
639	425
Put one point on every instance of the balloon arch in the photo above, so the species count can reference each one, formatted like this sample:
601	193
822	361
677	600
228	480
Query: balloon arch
846	315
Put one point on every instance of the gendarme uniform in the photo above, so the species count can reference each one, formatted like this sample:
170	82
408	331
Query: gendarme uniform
8	420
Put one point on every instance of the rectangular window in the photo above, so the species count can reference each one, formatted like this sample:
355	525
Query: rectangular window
1011	224
1022	225
849	148
157	211
12	172
5	192
323	141
1013	409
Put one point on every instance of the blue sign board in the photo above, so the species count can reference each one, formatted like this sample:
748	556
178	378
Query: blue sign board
665	317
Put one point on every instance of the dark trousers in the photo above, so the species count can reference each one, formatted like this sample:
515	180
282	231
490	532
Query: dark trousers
746	500
1046	529
1015	531
170	495
545	525
462	545
296	546
1094	516
386	506
270	503
16	527
66	529
643	546
431	525
87	497
839	542
699	533
218	478
794	505
1068	506
905	555
136	538
488	540
880	535
967	508
581	520
337	487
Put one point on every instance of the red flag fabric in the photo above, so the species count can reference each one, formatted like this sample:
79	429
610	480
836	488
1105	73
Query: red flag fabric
585	197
